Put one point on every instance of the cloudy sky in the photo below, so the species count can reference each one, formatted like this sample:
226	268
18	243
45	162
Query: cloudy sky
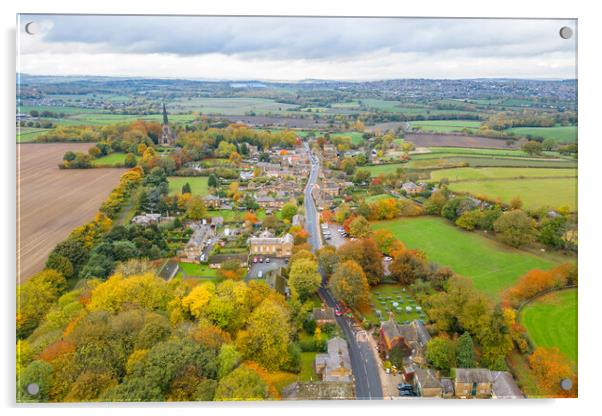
267	48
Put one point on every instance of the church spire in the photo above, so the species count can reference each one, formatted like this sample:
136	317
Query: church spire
164	115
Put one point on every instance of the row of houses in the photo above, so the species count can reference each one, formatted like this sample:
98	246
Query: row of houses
412	339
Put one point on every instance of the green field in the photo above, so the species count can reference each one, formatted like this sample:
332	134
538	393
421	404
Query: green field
562	134
110	159
356	136
198	184
492	266
551	321
385	169
195	270
28	134
464	174
535	193
446	126
307	372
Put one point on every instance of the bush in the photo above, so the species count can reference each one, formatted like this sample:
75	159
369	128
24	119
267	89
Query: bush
309	326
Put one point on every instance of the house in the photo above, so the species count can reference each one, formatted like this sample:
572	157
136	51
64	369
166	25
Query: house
473	382
335	364
324	315
504	386
330	189
447	385
411	188
330	151
268	202
212	201
198	240
412	337
427	383
217	221
245	176
146	219
267	244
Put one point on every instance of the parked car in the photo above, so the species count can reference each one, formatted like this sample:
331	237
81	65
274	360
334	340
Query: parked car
261	259
403	386
254	259
337	311
260	274
406	393
267	260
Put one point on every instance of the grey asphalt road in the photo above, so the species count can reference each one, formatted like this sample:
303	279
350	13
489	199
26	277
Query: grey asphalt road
363	362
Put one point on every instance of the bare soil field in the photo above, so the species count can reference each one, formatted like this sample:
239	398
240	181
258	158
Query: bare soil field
457	140
51	202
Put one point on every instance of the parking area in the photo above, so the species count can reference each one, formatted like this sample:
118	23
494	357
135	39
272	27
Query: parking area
336	239
264	267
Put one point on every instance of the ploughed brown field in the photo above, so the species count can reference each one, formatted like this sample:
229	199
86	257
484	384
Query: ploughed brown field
458	140
51	202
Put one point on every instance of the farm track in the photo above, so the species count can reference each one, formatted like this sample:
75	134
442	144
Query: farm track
51	202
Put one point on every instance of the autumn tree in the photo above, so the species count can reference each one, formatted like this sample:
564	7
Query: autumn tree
241	384
386	242
327	259
227	360
350	285
366	254
267	335
360	227
195	209
288	211
550	368
304	279
515	228
408	266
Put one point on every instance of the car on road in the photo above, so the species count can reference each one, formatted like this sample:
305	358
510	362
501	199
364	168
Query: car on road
267	260
406	393
254	259
260	274
261	259
403	386
337	311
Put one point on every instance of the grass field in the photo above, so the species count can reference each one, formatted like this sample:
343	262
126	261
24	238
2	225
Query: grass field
463	174
307	372
356	136
196	270
110	159
446	126
535	193
562	134
551	321
198	184
492	266
28	134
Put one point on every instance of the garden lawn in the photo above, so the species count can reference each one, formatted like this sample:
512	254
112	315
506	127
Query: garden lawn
196	270
463	174
535	193
198	184
307	372
551	321
490	265
356	137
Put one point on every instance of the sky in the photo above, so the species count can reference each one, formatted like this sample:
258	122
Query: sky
291	49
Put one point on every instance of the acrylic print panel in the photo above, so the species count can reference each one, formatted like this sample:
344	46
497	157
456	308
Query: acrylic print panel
287	208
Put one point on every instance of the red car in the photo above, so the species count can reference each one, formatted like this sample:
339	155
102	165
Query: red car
337	311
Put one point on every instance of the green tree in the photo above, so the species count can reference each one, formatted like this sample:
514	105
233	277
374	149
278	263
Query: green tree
196	209
349	284
515	228
288	211
465	351
227	360
40	373
89	386
327	259
304	279
469	219
532	147
186	188
241	384
440	352
69	156
130	160
552	231
212	181
61	264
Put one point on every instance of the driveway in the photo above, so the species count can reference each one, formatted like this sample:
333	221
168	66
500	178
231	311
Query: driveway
335	238
264	267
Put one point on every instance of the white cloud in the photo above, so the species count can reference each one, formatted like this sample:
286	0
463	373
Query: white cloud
293	49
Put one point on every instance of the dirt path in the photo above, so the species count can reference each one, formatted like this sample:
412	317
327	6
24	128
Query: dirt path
51	202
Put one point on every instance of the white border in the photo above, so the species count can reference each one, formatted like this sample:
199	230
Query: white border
589	194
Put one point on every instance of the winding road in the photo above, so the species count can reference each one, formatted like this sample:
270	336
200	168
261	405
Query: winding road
363	362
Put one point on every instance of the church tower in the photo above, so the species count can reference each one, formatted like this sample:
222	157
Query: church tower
168	138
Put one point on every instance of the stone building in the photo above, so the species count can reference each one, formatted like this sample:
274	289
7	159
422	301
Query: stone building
267	244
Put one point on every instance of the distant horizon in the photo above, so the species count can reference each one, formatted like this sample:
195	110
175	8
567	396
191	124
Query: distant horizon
283	81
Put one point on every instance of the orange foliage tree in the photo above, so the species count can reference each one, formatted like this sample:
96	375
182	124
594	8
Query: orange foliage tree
550	367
